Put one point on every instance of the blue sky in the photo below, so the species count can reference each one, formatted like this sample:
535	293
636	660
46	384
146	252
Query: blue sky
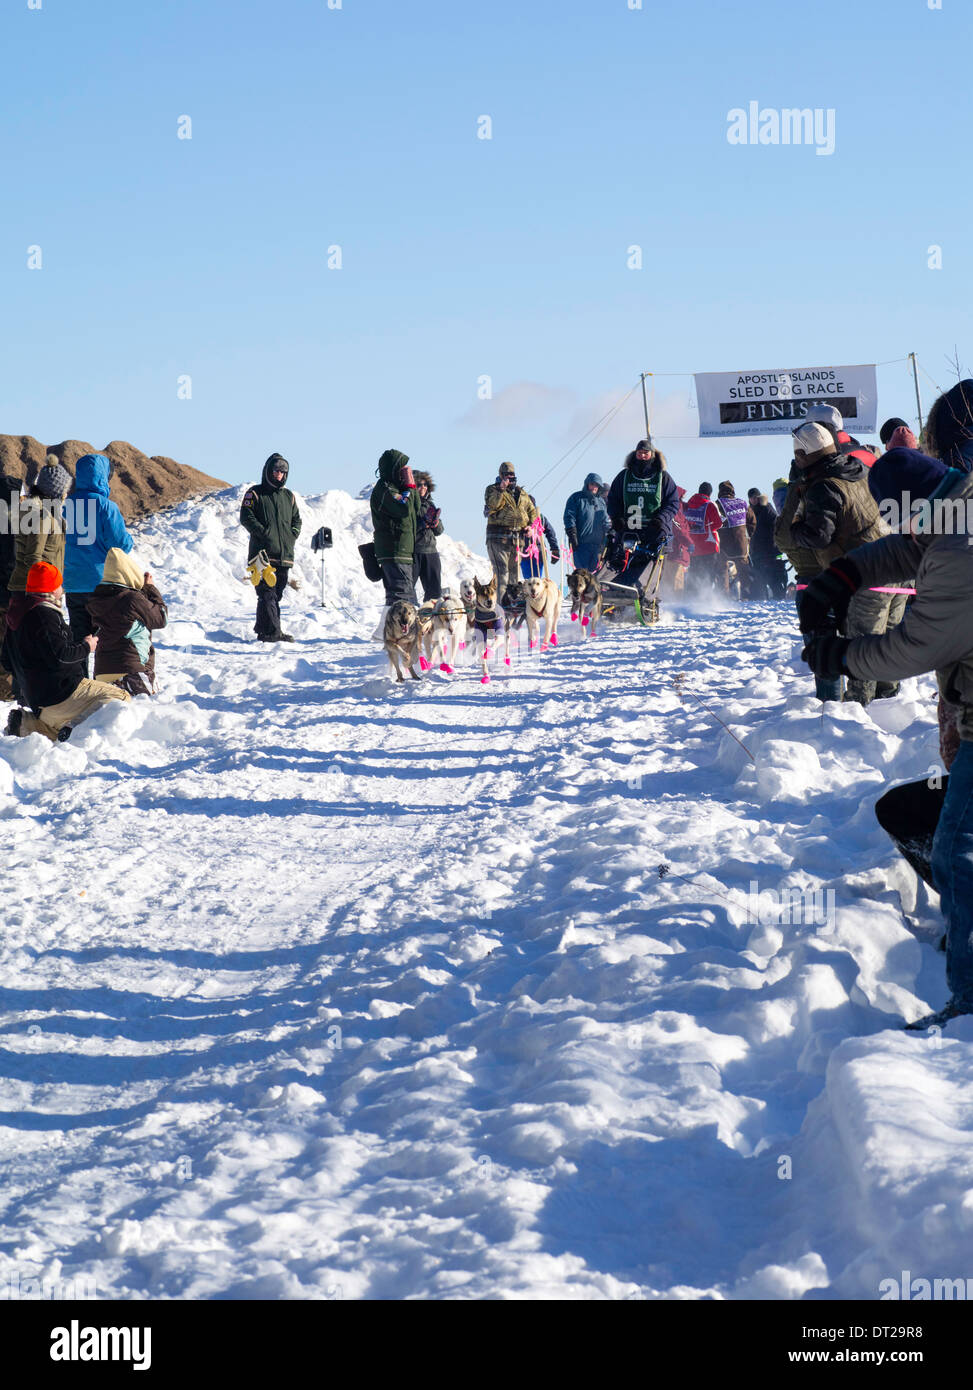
464	258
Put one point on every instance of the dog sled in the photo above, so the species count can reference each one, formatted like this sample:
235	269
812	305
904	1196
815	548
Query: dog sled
630	576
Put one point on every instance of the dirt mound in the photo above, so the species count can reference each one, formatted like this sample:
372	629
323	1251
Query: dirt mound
139	484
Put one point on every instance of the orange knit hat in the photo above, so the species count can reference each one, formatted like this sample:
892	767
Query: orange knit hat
43	578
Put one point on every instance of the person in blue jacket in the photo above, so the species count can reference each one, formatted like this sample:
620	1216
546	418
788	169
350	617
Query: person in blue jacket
86	549
532	566
586	522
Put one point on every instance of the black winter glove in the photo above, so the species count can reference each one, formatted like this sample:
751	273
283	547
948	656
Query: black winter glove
573	539
555	556
826	656
830	592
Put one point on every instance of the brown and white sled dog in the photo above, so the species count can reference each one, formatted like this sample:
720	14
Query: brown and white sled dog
467	597
543	604
587	600
448	629
489	623
401	638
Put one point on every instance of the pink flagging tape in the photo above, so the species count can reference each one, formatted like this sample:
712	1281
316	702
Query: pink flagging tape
802	587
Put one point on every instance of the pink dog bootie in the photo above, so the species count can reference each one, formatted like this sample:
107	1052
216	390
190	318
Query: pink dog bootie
484	680
423	664
585	621
574	617
506	661
443	666
553	639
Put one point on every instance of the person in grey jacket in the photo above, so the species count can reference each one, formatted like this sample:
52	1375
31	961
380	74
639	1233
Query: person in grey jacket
935	635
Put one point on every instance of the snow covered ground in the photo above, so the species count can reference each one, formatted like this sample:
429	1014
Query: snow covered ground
314	986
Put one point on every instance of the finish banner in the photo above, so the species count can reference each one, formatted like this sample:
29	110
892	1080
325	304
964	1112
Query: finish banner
776	402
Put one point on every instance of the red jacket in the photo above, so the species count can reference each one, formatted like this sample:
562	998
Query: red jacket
854	449
680	547
704	520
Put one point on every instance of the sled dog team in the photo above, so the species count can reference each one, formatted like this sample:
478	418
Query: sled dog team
413	635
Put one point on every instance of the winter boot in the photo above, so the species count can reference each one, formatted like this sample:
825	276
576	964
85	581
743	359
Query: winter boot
954	1008
13	723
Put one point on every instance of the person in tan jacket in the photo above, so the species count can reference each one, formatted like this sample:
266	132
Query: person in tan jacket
40	530
509	511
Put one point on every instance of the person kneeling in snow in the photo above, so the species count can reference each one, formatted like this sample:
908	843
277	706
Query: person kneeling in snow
935	634
124	608
49	668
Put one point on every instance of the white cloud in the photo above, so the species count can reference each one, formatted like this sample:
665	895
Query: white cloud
523	403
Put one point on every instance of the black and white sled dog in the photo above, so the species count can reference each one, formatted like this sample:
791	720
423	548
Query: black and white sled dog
587	600
490	623
400	638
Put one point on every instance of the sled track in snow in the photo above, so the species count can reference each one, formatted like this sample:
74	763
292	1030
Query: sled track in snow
320	986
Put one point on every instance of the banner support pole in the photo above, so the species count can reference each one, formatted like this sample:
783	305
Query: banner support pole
645	406
915	378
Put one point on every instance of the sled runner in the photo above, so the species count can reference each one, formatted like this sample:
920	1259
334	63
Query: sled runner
629	579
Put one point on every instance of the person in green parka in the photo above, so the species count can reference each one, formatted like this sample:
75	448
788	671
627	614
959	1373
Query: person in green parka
271	517
395	509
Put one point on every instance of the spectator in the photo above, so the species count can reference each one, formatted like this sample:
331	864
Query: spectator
427	567
270	516
830	417
125	608
84	552
10	498
678	551
509	512
889	428
395	505
838	513
704	519
949	427
586	523
738	522
936	634
541	532
49	668
768	573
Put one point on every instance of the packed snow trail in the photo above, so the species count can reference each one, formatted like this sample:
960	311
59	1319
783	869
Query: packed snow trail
316	986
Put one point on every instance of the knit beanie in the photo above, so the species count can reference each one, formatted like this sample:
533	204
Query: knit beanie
902	438
507	470
645	445
706	489
905	470
52	480
889	428
43	578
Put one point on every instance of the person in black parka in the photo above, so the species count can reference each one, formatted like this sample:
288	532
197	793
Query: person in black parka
271	517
